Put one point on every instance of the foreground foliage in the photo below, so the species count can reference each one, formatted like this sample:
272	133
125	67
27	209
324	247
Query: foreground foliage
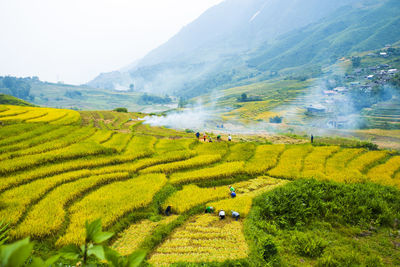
324	222
20	252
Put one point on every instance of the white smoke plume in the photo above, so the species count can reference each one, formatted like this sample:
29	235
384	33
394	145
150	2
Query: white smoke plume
192	118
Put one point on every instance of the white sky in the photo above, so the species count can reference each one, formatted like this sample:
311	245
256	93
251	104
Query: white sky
74	40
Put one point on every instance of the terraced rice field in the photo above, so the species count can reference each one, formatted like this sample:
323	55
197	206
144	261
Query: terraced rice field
55	173
203	239
385	115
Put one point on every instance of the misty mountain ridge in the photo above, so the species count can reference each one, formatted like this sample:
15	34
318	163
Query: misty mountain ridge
236	41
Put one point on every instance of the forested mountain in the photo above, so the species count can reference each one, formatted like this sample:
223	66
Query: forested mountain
349	29
238	42
17	87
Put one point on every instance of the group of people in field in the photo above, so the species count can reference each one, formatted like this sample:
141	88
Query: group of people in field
209	209
221	213
210	139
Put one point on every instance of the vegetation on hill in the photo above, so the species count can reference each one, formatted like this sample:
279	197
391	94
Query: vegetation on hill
326	224
18	87
271	44
10	100
333	37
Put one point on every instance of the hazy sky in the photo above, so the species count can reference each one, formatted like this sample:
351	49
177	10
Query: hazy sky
74	40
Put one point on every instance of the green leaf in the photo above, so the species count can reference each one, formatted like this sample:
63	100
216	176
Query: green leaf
113	257
136	258
101	237
15	254
97	251
38	262
70	252
52	260
94	232
92	228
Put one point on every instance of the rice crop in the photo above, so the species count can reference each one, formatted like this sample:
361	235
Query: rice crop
224	170
48	215
265	157
110	202
203	239
291	162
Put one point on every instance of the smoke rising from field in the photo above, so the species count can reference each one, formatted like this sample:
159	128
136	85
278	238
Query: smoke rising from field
193	118
332	97
196	116
325	105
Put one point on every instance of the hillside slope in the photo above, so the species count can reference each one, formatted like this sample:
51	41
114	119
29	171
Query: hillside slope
213	42
10	100
236	43
345	31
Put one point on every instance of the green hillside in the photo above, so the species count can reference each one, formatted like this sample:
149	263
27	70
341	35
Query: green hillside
10	100
345	31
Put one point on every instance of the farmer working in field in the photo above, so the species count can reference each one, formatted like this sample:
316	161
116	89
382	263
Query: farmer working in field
231	188
235	215
221	214
198	135
218	138
229	138
204	136
168	211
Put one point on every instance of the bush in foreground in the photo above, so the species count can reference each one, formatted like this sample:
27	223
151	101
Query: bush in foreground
304	201
324	223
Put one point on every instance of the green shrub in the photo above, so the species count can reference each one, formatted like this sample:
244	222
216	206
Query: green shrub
125	110
339	259
227	263
308	245
304	201
374	261
267	227
328	261
267	248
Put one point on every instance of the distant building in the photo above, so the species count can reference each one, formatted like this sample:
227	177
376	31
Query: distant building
383	54
392	71
369	77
